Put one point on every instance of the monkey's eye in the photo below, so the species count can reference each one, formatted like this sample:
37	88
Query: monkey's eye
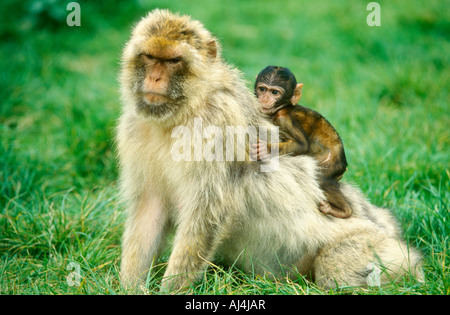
174	60
149	56
262	89
275	92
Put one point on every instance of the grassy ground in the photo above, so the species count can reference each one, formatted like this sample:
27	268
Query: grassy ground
384	88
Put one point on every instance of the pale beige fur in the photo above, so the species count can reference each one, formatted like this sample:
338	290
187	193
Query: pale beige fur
267	222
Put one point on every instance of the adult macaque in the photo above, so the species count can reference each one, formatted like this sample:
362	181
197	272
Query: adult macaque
306	132
266	222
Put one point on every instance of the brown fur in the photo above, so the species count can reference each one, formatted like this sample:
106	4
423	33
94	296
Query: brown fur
265	222
306	132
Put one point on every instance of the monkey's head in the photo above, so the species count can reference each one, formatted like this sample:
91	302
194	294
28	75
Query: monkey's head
276	88
165	57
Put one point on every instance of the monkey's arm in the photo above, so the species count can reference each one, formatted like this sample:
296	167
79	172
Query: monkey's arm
196	240
296	143
145	234
287	147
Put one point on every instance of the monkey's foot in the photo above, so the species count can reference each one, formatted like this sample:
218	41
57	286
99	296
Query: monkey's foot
325	207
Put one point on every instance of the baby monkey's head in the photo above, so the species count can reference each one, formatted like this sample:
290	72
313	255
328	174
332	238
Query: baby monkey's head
276	88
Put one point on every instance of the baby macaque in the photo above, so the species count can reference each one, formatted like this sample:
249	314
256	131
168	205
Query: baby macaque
306	132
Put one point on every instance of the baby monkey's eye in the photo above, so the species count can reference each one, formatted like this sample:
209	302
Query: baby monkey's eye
275	92
262	89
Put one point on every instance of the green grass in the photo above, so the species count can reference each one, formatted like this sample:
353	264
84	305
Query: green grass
384	88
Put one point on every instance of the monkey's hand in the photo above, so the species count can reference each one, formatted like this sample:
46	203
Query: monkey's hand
260	151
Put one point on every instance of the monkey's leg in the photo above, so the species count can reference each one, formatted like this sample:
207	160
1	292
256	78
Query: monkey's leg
194	245
333	210
333	169
337	205
365	257
345	262
144	236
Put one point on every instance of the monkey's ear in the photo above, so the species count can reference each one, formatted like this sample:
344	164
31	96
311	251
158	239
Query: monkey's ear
212	49
297	94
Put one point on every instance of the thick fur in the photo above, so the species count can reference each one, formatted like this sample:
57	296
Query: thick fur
267	222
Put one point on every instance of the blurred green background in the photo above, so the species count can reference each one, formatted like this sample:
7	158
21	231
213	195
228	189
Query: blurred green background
385	89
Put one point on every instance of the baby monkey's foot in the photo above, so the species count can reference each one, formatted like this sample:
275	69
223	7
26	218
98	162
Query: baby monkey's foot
325	207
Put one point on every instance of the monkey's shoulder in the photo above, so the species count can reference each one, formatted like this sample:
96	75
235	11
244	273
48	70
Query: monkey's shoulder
282	114
311	117
296	112
300	112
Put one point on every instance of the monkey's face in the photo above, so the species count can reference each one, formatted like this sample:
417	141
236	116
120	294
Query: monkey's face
270	97
159	79
164	62
276	88
157	69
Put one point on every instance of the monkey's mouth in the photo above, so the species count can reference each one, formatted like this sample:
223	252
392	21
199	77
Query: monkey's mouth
266	110
157	105
158	110
152	98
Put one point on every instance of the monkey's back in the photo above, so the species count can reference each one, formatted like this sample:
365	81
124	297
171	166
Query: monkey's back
314	124
325	143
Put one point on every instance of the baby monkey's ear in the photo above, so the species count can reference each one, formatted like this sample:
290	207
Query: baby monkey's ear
297	94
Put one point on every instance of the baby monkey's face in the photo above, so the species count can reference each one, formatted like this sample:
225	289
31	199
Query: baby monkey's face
270	97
